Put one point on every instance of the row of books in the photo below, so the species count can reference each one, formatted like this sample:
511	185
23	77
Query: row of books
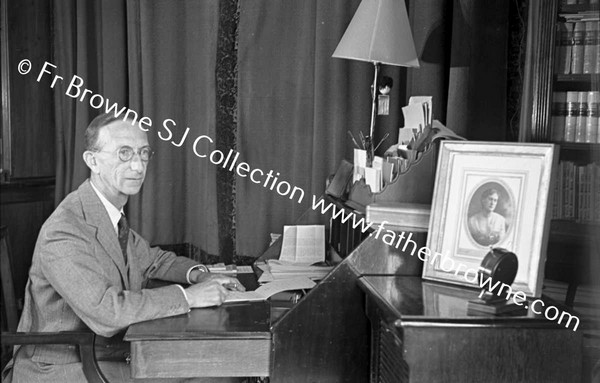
575	117
578	46
578	2
577	192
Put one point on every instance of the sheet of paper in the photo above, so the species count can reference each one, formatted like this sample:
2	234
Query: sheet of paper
404	137
303	244
360	157
373	179
266	275
413	116
245	270
426	102
377	162
387	172
444	133
267	290
360	162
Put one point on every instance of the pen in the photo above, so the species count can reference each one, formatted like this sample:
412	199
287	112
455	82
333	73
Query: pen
230	286
353	140
381	142
362	138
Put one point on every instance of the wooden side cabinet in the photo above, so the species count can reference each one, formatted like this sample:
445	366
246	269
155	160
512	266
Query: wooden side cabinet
420	332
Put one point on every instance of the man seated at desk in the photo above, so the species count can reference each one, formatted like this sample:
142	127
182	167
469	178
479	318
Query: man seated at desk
89	269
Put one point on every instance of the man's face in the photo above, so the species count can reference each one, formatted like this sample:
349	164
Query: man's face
489	203
119	179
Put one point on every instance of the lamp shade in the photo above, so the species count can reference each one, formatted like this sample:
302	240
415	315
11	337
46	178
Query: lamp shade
379	32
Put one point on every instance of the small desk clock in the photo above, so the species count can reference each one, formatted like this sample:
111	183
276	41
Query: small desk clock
500	266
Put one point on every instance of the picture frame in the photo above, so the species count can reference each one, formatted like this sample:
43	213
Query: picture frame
491	194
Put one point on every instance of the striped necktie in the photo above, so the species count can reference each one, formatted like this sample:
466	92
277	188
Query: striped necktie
123	235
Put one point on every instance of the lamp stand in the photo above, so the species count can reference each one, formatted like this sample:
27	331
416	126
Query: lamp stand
369	147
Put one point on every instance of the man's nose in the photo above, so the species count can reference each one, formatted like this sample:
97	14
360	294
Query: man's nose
136	163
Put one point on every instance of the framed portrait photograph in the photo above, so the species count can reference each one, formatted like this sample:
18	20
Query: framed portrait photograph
488	195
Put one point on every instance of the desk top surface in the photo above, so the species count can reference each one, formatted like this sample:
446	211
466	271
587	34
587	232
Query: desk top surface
415	302
249	320
244	320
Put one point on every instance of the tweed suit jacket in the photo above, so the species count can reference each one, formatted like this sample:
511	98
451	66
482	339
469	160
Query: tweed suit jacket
79	279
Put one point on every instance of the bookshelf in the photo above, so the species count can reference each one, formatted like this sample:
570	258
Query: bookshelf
554	105
561	101
560	104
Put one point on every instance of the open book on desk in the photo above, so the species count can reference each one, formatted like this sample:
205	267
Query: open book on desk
269	289
303	244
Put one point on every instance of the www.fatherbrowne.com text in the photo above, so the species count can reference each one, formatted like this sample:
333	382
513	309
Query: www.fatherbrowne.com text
271	180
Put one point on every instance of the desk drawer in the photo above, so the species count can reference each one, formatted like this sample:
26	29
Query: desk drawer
200	358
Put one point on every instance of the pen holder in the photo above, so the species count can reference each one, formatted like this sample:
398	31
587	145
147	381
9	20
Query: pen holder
414	185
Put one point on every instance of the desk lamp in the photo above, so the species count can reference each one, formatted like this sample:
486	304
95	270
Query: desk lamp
379	33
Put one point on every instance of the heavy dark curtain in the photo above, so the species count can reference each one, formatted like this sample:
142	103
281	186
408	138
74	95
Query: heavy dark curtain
296	102
463	48
157	58
89	41
261	72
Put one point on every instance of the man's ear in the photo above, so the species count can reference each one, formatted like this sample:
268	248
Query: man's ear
90	160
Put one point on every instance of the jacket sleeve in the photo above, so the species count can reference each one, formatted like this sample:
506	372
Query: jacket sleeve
159	264
91	287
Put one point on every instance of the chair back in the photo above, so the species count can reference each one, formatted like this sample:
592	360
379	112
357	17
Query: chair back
10	314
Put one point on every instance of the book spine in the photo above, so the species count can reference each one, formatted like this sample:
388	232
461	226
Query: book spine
565	201
559	183
575	192
577	52
590	47
559	115
571	191
580	194
561	198
571	116
597	60
589	200
596	193
581	119
555	198
564	40
591	129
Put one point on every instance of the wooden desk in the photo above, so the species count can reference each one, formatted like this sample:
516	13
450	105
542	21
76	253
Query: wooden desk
323	338
421	333
231	340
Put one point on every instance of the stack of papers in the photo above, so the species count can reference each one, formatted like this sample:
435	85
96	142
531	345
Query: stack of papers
302	247
267	290
276	270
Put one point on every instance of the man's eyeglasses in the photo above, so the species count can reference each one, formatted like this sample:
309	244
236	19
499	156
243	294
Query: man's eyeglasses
126	153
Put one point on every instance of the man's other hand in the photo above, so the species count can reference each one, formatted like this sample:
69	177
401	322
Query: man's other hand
212	290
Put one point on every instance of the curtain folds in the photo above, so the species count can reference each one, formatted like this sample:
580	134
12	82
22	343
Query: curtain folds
294	104
158	60
463	47
172	80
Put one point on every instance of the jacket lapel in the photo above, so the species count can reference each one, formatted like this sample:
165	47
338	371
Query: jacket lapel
95	215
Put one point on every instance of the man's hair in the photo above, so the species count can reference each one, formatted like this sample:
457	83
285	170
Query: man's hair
93	130
489	192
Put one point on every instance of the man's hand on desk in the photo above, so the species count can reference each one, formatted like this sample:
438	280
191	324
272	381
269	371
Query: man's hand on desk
209	289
